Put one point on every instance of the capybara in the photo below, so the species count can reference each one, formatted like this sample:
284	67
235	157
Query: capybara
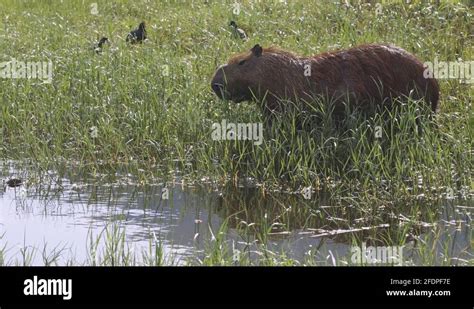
366	73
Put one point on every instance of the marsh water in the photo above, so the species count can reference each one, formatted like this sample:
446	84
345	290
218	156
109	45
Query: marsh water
69	216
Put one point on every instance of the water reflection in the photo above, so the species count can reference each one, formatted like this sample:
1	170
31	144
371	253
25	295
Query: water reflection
68	213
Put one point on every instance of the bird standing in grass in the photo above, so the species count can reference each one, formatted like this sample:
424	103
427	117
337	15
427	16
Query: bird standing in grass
238	32
98	46
137	35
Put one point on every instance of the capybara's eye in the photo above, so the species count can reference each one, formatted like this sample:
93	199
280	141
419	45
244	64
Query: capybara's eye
241	62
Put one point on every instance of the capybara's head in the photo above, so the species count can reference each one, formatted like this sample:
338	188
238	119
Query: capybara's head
239	79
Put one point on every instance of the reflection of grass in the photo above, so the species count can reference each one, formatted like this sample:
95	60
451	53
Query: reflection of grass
110	247
118	217
253	220
3	250
152	125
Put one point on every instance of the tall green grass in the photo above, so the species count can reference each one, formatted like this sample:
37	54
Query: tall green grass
145	118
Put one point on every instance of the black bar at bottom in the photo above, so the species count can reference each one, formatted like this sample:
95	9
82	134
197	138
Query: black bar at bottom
238	285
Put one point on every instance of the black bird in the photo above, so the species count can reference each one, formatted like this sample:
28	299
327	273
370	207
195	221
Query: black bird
238	32
137	35
98	46
14	182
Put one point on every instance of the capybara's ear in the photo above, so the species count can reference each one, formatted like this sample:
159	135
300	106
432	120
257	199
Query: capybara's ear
257	50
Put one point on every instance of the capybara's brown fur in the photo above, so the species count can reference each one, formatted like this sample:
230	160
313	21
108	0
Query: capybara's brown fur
366	73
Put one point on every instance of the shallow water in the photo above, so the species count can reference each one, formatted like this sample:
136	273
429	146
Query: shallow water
66	215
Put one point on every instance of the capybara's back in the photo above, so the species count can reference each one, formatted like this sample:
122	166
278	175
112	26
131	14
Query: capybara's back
367	73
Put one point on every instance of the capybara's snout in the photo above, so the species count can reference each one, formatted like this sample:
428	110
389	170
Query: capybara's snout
217	88
218	82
